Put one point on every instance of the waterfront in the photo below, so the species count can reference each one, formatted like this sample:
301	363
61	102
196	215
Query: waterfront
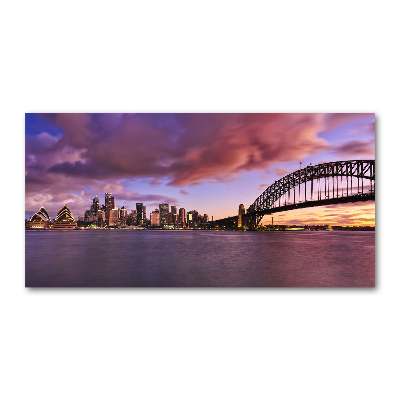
121	258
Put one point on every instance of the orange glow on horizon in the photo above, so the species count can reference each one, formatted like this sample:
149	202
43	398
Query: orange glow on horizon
351	214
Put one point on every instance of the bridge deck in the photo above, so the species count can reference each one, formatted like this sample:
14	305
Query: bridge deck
231	222
315	203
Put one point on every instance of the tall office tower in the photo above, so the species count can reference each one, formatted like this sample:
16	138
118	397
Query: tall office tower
123	213
144	215
189	218
101	218
205	218
164	210
87	216
133	217
113	217
174	215
139	213
155	217
95	206
241	212
109	205
182	217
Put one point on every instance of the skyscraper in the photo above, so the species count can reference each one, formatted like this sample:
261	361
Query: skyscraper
95	206
155	217
139	214
241	221
174	215
164	210
131	220
113	217
189	217
123	214
101	218
182	217
109	205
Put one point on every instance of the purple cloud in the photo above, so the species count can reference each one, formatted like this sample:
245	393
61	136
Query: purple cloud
195	148
355	148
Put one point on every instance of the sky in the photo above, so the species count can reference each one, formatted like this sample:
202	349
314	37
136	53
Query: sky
207	162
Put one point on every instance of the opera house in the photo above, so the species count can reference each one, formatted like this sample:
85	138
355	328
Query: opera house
39	220
64	219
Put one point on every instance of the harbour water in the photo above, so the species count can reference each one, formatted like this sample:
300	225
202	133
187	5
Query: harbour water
199	258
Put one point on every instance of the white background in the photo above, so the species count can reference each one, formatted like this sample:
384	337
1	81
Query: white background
204	56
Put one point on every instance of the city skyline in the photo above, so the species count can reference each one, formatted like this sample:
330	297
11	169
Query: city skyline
214	162
109	215
100	206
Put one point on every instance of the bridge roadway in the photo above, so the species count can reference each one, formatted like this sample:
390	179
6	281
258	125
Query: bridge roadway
315	203
232	222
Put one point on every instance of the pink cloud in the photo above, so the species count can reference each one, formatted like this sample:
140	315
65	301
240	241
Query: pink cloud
196	148
280	172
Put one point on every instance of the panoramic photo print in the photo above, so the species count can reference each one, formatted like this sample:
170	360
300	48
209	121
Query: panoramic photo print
200	200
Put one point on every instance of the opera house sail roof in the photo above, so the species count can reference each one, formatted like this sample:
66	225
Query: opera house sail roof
64	219
39	220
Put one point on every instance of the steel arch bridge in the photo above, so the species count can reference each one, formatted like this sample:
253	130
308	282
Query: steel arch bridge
328	183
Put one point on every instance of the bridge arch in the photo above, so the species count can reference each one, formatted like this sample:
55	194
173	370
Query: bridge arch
360	169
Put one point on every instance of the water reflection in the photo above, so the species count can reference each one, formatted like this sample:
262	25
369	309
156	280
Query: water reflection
200	258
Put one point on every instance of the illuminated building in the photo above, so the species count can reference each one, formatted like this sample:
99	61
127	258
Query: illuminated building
189	218
241	212
109	205
182	217
113	217
88	217
131	220
123	213
64	219
174	215
101	219
139	214
164	210
193	218
95	206
39	220
155	217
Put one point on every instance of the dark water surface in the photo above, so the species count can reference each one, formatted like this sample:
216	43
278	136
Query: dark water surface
121	258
